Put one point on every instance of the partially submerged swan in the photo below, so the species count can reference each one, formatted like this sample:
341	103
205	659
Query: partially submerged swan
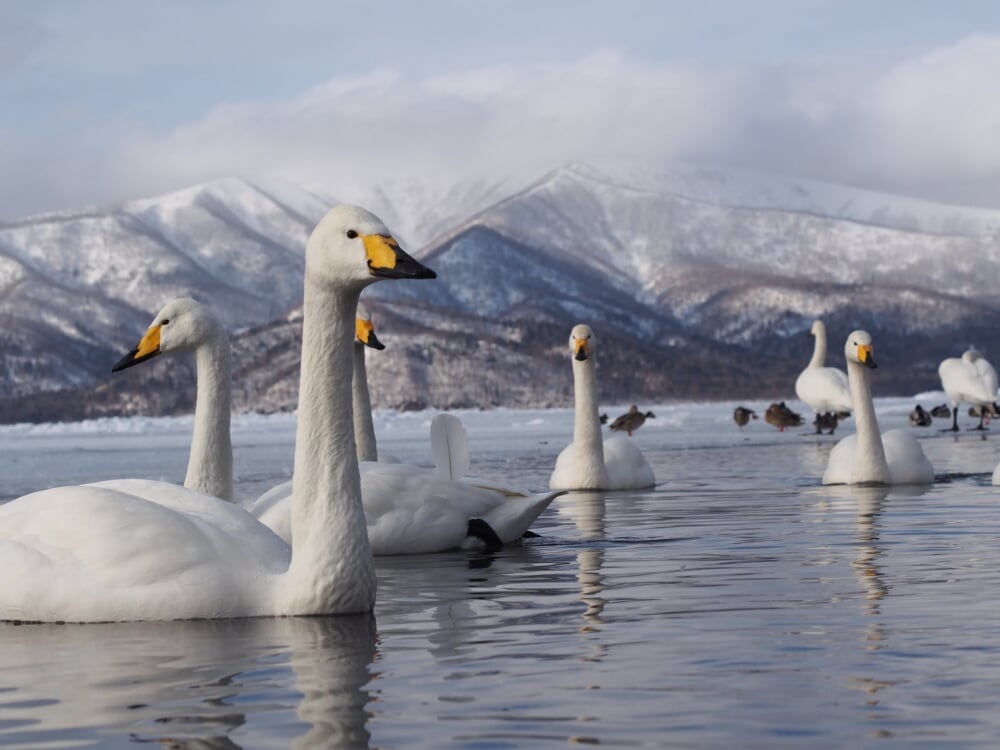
91	553
868	456
823	388
590	462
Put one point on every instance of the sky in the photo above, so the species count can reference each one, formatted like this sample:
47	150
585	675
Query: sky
110	100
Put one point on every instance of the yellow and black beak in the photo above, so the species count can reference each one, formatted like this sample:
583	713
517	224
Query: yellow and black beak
148	348
582	350
865	355
388	260
365	332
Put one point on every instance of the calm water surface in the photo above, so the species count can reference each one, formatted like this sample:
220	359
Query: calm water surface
738	604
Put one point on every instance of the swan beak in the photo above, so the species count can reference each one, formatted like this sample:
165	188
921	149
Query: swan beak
365	332
582	350
388	260
865	355
148	348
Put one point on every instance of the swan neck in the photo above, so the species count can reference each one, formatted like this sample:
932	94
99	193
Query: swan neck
819	350
210	465
332	568
869	459
587	423
364	426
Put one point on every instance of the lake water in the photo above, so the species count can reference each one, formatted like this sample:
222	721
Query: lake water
737	604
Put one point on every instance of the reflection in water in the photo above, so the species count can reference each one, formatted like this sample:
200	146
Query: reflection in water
588	513
186	683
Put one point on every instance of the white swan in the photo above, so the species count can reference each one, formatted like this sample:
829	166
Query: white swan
408	510
824	389
969	378
892	457
590	463
91	553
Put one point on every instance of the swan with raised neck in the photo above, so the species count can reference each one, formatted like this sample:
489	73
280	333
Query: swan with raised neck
187	325
364	426
870	456
590	462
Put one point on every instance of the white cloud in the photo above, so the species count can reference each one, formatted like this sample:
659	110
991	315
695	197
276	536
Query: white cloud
926	126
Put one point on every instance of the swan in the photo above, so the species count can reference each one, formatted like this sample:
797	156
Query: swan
969	378
91	553
407	510
588	463
823	388
893	457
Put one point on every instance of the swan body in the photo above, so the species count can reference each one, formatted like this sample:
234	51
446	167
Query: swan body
590	462
824	389
868	457
970	379
98	553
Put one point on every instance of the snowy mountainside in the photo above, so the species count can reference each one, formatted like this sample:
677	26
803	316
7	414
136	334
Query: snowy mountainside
692	295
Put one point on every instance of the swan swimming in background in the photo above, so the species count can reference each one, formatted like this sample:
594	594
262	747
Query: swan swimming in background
969	378
824	389
91	553
408	510
868	457
590	463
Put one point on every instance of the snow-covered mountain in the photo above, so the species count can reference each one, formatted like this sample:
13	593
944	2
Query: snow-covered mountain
697	281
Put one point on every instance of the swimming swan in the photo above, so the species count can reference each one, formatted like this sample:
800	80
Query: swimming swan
588	463
893	457
823	388
90	553
969	378
408	510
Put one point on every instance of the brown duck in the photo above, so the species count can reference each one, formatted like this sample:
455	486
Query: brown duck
781	416
631	421
742	415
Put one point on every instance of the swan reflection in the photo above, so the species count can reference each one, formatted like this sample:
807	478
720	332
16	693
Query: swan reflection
587	510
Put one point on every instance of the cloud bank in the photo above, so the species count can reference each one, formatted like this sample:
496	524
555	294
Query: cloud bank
926	126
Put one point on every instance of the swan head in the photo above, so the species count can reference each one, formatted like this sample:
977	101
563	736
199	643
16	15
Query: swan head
859	349
364	329
180	325
352	246
581	341
971	355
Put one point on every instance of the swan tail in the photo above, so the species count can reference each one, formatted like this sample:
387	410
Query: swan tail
512	518
449	446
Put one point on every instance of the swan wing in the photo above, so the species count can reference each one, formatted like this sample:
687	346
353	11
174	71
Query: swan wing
964	381
906	459
449	446
824	389
627	467
841	461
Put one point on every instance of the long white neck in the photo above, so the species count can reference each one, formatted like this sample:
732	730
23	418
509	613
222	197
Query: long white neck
869	454
364	427
332	568
210	464
819	349
587	424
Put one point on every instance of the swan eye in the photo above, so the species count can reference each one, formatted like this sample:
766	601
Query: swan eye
164	321
351	234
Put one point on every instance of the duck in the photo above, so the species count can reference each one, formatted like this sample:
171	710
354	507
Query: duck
742	415
590	463
919	417
941	411
826	421
868	456
92	553
631	421
407	511
823	389
779	415
970	379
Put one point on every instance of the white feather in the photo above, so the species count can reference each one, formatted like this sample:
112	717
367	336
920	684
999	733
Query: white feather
449	446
